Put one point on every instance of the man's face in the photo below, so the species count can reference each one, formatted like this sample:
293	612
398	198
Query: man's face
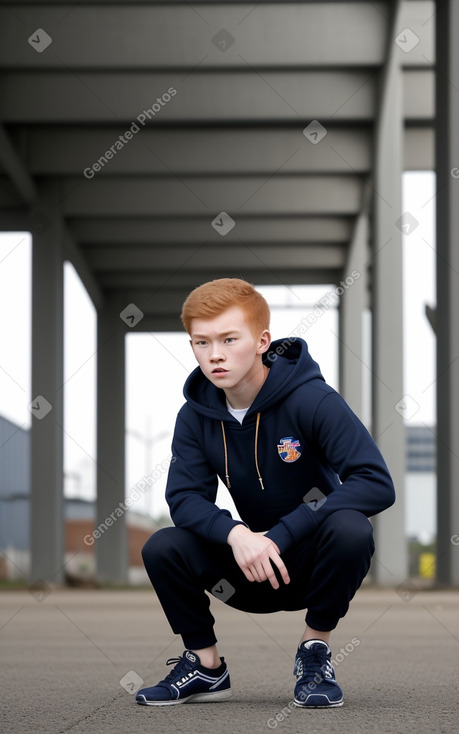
226	349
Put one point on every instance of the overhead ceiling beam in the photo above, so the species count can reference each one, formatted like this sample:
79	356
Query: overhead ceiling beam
276	33
129	281
230	151
218	255
233	96
131	231
251	151
14	220
14	167
169	300
278	195
162	323
280	34
244	95
228	96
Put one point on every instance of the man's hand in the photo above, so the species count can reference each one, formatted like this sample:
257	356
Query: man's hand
253	552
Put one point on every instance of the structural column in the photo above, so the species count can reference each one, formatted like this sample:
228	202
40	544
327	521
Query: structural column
46	516
352	304
111	541
390	564
447	328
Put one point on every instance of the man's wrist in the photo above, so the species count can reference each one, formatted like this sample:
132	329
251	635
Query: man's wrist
235	532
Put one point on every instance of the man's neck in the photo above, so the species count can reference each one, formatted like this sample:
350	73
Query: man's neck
246	394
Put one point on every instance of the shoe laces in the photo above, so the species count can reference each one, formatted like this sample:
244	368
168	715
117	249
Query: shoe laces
313	665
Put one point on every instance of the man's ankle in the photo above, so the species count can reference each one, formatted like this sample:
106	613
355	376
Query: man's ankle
313	634
209	657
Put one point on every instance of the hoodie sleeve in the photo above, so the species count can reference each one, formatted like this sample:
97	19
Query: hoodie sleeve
347	447
191	488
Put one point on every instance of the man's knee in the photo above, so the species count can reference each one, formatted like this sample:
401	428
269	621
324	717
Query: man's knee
350	531
162	544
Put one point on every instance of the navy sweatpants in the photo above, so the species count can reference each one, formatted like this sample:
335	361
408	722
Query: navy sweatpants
325	572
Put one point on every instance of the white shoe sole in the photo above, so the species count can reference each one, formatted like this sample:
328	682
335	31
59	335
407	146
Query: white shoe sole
210	697
329	705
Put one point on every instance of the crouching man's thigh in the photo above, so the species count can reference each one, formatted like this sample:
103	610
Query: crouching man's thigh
348	532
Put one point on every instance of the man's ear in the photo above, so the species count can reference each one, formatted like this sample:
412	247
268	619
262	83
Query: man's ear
264	342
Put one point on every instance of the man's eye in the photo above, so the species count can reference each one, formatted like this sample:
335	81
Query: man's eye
230	339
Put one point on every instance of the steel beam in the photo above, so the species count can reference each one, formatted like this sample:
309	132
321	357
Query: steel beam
447	154
12	164
131	231
352	304
46	517
129	282
208	257
244	95
220	151
149	36
391	558
284	34
111	543
278	195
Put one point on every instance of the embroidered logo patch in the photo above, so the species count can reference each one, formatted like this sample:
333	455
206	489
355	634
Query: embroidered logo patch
289	449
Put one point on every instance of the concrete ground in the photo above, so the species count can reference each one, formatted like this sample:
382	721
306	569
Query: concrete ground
71	661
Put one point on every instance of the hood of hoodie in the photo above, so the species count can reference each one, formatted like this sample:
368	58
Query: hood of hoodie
290	365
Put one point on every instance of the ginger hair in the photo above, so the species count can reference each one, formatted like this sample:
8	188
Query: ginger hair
211	299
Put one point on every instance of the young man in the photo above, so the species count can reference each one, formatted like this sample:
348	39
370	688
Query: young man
305	476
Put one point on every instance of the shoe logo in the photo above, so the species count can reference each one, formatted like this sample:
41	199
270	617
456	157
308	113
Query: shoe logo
190	656
289	449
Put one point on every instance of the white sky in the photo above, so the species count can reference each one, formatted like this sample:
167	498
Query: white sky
158	364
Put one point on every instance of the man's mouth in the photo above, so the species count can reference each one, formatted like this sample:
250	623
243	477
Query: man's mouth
218	371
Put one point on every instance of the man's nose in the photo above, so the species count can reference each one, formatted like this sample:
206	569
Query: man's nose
216	354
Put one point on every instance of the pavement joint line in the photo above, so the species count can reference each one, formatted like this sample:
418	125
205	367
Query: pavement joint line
162	652
85	635
89	716
440	623
377	618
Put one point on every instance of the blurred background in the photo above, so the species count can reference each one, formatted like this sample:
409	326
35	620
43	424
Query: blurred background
149	148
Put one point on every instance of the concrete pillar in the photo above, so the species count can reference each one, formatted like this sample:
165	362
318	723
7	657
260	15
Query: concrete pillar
111	533
352	304
389	403
46	510
447	165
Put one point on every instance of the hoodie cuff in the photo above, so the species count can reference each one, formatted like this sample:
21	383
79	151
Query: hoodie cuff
281	536
220	528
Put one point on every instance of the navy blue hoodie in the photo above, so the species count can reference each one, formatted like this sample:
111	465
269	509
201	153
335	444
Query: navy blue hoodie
299	455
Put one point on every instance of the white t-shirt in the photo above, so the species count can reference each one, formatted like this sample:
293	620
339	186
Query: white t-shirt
238	413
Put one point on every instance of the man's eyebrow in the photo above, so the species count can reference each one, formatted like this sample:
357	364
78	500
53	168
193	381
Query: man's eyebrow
196	335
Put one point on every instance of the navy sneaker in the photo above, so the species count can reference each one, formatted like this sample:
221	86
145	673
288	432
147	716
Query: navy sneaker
316	686
188	681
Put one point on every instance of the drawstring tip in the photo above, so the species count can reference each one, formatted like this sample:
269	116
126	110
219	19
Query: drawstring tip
260	479
228	483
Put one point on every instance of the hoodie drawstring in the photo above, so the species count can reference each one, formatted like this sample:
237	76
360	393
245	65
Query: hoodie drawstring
260	478
228	483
